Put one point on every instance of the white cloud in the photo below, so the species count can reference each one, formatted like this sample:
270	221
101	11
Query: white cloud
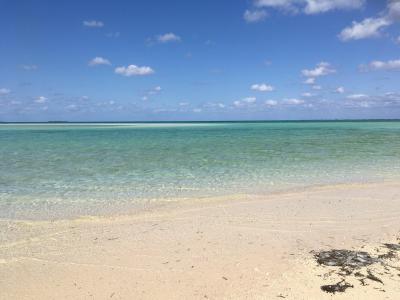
4	91
72	107
151	92
340	90
370	27
99	61
113	34
307	94
389	99
93	23
221	105
245	101
271	102
254	16
133	70
322	69
310	6
393	65
310	80
294	101
357	96
237	103
168	37
394	10
29	67
321	6
262	87
214	105
41	99
249	99
183	103
197	110
316	87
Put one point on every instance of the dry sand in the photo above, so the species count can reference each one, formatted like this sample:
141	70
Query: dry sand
247	248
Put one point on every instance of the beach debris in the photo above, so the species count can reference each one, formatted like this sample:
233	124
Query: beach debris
359	265
339	287
373	277
389	255
224	278
345	258
394	247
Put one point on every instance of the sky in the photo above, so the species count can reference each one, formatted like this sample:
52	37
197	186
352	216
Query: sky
199	60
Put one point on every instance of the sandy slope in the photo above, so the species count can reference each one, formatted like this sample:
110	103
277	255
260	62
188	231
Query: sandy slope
248	248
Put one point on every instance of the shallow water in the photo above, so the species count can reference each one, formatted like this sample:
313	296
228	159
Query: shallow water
64	170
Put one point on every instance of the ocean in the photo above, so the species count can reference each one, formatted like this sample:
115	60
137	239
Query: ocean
52	171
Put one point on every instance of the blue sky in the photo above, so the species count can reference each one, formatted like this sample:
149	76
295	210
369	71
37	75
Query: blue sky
199	60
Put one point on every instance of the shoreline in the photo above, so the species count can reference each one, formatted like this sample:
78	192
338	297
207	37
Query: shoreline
160	205
231	249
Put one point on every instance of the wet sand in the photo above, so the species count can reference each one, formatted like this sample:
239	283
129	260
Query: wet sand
250	247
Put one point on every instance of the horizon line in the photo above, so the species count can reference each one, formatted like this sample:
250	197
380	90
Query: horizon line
202	121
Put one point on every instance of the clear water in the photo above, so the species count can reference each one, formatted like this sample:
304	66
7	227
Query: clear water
55	170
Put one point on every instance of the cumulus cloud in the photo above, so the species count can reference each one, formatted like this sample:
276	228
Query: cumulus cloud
133	70
262	87
245	102
322	69
310	6
389	99
237	103
168	37
340	90
390	65
307	94
41	99
254	16
97	61
394	10
113	34
93	23
4	91
271	102
294	101
357	96
29	67
249	99
373	27
214	105
370	27
321	6
151	92
310	80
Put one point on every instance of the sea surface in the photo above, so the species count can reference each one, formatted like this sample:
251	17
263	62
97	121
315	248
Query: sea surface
68	170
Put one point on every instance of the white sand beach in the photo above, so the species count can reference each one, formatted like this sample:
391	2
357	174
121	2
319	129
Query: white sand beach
243	248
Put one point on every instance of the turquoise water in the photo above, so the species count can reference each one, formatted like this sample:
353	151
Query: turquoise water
55	170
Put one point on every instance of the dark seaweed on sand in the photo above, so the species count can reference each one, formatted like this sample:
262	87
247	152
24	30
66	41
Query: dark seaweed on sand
349	262
340	287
